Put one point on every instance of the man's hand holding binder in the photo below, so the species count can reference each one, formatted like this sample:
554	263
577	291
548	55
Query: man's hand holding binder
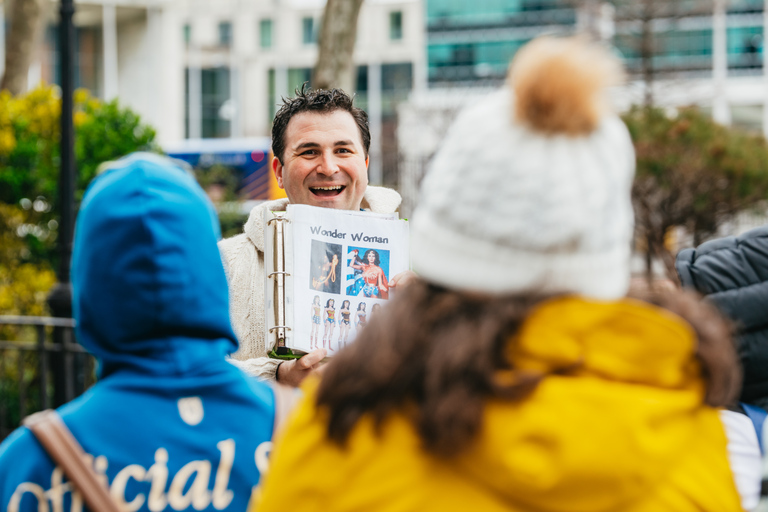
293	371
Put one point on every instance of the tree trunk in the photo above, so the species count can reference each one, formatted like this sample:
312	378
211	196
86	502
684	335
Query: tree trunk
649	259
26	18
338	32
669	265
646	50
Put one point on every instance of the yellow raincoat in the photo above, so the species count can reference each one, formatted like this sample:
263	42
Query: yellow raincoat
627	432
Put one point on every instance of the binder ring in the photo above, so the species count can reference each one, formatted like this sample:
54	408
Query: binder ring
281	219
280	327
278	272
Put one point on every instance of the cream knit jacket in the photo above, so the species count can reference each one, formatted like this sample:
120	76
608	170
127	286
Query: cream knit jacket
243	257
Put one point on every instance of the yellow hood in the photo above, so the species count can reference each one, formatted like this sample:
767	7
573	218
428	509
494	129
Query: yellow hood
618	424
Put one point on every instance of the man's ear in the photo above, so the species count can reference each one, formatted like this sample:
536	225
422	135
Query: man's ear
367	160
277	168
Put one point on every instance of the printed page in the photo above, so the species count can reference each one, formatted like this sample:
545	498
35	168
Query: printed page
342	264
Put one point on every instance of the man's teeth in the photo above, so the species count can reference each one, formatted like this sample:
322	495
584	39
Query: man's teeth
335	187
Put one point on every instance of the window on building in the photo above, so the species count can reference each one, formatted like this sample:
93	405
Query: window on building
396	83
397	77
225	33
187	33
88	58
215	92
308	30
745	47
295	78
361	87
265	33
298	76
396	25
484	60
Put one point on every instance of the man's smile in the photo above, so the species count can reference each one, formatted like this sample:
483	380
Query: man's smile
328	190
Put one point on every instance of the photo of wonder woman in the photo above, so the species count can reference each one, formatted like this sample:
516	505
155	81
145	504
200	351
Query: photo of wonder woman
375	278
325	267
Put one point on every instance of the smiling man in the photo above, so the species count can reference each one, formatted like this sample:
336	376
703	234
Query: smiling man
320	143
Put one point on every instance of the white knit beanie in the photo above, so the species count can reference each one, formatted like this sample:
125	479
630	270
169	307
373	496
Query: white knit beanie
530	190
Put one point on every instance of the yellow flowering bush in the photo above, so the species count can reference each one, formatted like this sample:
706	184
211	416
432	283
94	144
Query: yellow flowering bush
24	285
29	172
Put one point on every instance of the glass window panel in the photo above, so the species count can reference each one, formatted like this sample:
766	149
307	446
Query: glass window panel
308	30
225	33
215	91
297	77
265	33
396	25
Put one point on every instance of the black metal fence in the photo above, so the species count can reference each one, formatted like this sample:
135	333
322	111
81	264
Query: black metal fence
35	372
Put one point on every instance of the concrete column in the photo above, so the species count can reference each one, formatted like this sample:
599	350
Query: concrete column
172	62
235	126
607	22
195	98
154	61
720	109
281	83
109	31
375	169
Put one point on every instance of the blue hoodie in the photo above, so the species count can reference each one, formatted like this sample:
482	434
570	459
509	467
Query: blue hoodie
171	424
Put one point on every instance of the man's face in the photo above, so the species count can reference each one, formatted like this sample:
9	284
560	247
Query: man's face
324	163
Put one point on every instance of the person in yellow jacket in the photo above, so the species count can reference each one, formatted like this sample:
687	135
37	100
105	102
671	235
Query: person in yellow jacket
514	375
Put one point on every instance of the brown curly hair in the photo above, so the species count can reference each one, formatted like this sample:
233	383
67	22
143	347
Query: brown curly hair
434	353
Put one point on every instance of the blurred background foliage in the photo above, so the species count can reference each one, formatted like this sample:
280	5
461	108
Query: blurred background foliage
691	173
29	171
222	184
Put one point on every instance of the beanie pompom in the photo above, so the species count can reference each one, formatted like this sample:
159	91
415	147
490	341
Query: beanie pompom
558	84
538	202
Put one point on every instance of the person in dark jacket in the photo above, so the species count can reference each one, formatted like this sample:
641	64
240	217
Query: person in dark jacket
732	272
171	425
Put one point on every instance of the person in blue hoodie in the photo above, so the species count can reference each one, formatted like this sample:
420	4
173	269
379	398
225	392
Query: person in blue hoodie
171	425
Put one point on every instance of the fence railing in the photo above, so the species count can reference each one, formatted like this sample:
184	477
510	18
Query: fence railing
38	370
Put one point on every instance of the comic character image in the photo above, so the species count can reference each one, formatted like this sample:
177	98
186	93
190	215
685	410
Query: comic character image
325	267
376	285
355	280
361	316
344	325
316	310
330	322
375	310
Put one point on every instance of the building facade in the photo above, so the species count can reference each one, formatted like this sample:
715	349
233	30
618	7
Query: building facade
198	69
708	53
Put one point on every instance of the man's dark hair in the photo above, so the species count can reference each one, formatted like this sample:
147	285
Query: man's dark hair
321	101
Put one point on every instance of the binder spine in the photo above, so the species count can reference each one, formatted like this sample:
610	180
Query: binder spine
278	276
